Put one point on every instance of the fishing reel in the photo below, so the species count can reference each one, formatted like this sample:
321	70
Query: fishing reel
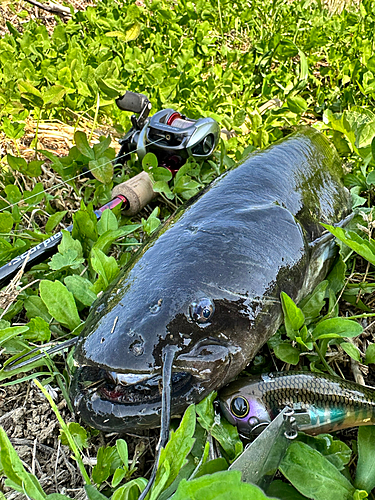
172	137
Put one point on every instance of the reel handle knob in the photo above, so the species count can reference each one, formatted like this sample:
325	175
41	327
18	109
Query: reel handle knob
131	101
138	192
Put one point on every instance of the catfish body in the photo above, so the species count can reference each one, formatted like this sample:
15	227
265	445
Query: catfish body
209	282
321	403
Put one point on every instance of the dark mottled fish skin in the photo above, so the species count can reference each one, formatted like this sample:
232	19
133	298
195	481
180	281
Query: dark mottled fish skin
253	233
322	403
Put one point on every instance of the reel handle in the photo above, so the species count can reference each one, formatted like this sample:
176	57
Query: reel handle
131	101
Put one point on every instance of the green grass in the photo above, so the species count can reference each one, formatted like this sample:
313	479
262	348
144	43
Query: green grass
209	58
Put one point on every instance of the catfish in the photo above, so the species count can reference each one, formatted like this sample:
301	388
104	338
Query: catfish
207	285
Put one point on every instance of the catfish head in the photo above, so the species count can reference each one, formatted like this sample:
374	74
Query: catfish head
117	385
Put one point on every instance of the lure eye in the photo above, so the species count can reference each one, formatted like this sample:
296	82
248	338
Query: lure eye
202	310
239	407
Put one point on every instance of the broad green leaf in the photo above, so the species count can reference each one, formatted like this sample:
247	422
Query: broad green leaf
363	247
102	169
370	179
336	278
101	147
164	472
161	174
216	487
313	475
351	350
16	163
287	353
83	146
13	130
69	243
212	466
337	452
297	104
35	196
130	490
152	223
32	169
130	34
227	435
85	225
370	354
108	461
304	66
111	87
38	330
78	433
80	288
118	476
35	308
54	220
163	187
54	94
10	332
106	267
122	449
205	411
339	327
57	496
186	187
27	87
293	316
314	303
106	239
107	222
13	194
14	470
6	222
93	494
68	259
60	303
284	491
365	473
149	162
239	118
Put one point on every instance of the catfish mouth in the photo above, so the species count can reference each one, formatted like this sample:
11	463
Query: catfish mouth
113	387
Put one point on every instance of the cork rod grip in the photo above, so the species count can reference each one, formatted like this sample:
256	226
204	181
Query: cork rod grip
137	190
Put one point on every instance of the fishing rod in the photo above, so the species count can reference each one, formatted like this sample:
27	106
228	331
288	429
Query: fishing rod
171	136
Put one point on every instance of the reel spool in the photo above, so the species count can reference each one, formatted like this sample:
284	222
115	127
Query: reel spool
172	137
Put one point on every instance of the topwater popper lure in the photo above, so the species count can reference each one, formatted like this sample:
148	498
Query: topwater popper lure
204	292
321	403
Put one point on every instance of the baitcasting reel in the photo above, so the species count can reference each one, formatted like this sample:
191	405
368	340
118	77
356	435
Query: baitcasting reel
172	137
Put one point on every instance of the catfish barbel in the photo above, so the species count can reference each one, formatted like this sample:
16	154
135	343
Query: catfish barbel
207	285
321	403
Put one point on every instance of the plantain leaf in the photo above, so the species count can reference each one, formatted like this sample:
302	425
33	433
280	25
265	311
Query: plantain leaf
60	303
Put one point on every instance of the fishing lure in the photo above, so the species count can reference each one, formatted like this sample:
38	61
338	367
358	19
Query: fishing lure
321	403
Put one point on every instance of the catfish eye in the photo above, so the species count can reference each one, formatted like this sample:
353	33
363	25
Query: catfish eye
202	310
239	407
